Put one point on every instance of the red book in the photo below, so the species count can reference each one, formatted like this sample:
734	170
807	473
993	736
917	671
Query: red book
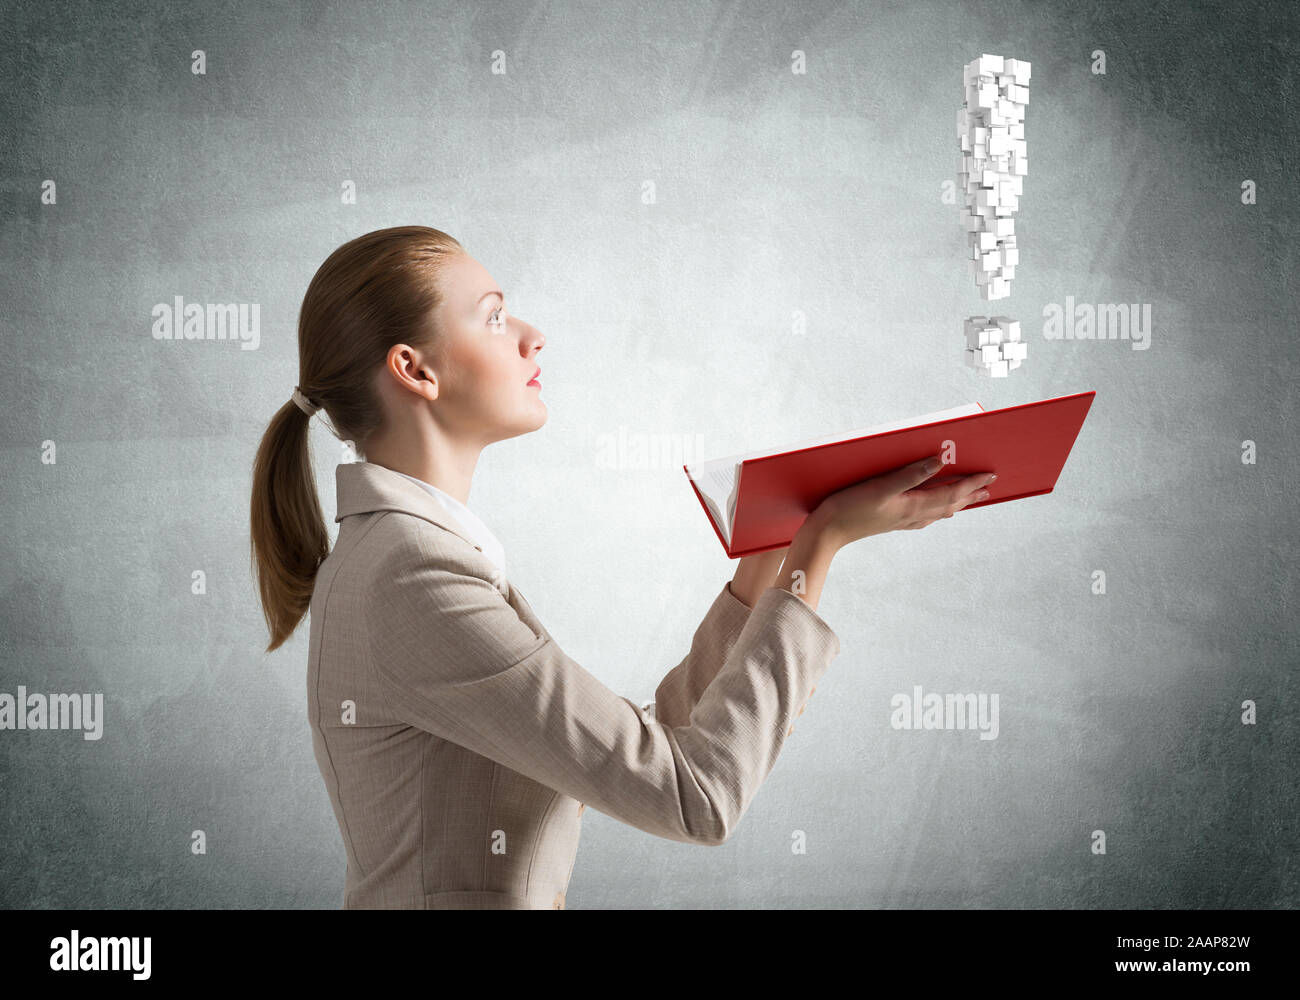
758	500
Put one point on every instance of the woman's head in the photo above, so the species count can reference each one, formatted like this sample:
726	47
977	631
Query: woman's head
399	348
470	385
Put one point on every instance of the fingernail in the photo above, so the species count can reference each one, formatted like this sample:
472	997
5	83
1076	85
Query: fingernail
993	477
933	465
982	495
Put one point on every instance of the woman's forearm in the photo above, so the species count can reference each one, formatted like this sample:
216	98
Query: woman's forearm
755	574
808	558
799	568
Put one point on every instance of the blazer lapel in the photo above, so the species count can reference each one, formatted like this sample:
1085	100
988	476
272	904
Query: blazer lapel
363	487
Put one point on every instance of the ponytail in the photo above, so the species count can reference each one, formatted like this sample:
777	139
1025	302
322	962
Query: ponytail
289	540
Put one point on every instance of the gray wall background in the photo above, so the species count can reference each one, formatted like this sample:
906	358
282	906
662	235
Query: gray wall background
776	193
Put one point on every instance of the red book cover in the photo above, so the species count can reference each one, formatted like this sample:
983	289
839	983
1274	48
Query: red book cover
1026	445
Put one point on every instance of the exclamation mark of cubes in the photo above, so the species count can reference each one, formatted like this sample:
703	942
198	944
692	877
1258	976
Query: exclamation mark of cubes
991	132
993	345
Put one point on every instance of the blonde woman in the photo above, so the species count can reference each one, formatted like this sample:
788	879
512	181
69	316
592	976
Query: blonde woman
458	743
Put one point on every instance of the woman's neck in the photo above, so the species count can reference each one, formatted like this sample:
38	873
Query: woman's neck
449	468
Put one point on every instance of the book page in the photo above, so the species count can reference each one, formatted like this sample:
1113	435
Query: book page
715	481
892	425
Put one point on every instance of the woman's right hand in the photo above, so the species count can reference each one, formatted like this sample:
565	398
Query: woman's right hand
896	501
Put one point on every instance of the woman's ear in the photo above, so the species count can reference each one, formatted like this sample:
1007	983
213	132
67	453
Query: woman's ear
412	370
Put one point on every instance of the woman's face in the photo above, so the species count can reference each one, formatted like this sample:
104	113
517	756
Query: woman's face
485	359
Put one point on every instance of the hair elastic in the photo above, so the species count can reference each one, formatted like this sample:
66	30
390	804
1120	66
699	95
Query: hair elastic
304	404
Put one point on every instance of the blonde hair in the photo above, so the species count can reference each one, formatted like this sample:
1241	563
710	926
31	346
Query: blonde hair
372	292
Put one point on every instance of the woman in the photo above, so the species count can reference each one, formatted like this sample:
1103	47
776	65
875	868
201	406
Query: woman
458	743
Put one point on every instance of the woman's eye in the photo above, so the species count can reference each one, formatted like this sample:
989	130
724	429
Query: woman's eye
495	318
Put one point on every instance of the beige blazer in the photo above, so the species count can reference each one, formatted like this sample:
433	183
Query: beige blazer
459	743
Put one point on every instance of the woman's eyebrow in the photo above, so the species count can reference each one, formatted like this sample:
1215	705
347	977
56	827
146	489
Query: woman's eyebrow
486	294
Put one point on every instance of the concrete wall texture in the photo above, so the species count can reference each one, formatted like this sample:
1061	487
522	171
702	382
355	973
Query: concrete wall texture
735	225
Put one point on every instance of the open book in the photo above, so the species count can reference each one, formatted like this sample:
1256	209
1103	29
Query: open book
757	500
718	478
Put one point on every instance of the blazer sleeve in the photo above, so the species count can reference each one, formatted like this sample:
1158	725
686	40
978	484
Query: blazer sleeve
682	687
453	658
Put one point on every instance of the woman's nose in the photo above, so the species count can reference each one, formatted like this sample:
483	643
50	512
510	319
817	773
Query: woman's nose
530	338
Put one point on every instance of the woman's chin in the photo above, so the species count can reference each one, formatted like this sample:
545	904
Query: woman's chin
536	418
533	418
